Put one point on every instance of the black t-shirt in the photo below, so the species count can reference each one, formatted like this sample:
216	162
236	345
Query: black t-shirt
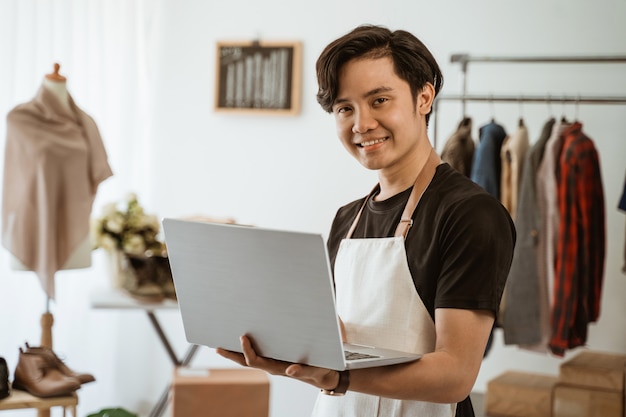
459	248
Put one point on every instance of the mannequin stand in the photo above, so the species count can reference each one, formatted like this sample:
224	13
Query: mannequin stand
47	321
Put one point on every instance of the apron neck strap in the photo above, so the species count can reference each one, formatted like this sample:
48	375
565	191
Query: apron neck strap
424	177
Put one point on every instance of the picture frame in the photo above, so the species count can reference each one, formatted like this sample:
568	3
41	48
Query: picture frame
258	77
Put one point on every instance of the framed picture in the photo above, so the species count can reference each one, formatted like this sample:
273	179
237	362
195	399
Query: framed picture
258	77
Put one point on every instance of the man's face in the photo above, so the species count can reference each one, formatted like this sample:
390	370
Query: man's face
377	119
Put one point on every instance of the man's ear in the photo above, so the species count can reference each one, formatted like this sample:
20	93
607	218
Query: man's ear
425	98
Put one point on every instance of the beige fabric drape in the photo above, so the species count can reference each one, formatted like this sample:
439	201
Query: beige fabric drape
54	162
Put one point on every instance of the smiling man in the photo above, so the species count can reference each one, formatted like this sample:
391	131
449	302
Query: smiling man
420	263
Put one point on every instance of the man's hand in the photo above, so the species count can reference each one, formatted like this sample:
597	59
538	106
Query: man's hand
318	377
343	331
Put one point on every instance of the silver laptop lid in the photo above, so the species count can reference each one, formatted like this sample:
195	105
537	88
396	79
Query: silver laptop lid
275	286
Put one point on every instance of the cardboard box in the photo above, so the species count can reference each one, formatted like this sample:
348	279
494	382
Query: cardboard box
236	392
593	369
520	394
570	401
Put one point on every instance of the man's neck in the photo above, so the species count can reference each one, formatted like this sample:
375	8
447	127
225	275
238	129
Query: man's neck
395	181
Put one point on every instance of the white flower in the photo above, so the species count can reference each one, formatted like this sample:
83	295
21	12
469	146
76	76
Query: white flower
115	223
107	242
109	209
134	245
125	226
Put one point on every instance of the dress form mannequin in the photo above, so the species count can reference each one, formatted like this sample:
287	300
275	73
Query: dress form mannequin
81	256
54	161
54	85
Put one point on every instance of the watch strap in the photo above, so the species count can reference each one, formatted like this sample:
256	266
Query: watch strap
342	385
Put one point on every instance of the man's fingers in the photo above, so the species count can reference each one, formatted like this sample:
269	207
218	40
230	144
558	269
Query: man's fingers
248	351
312	375
253	360
233	356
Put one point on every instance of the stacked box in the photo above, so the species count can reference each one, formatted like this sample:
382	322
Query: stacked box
591	384
232	392
520	394
586	402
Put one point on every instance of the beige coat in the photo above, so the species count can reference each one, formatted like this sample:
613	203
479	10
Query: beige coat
512	155
458	150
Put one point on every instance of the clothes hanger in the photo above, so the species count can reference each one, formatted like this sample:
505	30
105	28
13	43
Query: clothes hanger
492	108
549	104
550	108
563	118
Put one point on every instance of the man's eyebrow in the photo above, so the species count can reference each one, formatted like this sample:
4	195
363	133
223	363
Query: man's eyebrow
377	91
373	92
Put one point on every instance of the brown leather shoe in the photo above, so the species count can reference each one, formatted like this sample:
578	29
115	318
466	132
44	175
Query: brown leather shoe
52	358
5	390
38	376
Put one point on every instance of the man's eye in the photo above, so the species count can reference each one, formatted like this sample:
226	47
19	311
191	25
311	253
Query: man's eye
342	110
380	100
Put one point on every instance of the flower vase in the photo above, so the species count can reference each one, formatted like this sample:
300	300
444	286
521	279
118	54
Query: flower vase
117	268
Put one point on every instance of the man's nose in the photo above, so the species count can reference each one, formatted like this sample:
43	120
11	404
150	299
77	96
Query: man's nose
363	121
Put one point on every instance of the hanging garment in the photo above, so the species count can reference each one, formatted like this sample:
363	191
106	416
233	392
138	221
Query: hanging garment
487	170
458	150
579	269
512	156
548	209
525	317
622	201
622	206
486	165
54	161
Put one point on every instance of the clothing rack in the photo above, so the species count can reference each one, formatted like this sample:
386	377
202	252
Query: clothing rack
465	59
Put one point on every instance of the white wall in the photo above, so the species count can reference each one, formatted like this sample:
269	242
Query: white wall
291	172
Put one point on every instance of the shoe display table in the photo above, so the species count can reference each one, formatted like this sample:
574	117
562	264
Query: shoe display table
22	399
111	298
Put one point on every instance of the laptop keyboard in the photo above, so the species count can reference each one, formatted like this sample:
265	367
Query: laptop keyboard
351	356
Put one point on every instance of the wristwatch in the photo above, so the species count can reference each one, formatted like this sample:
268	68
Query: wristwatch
342	385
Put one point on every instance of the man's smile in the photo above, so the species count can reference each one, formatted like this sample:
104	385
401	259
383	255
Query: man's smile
372	142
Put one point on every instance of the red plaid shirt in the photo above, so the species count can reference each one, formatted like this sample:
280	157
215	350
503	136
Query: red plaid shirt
581	242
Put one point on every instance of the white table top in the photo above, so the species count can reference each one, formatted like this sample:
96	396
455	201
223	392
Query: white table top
112	298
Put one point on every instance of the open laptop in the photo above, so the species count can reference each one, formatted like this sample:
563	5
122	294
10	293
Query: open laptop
274	286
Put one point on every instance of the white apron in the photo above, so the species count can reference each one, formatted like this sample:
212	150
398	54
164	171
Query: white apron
378	303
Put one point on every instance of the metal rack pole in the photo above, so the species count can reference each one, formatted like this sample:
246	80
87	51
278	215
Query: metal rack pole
464	59
536	99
